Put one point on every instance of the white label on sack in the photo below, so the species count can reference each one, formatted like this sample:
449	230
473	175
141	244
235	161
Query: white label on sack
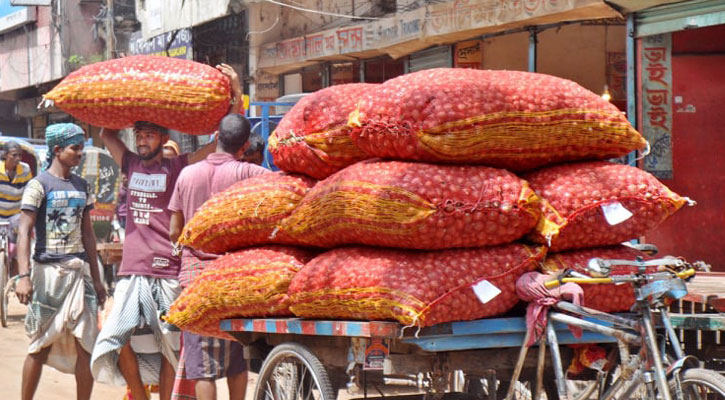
485	291
615	213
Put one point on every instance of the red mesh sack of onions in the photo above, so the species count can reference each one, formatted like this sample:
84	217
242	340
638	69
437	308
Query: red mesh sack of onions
598	203
506	119
178	94
609	297
247	283
414	205
412	287
245	214
313	137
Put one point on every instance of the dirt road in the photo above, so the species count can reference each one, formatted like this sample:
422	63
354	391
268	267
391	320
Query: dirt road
53	384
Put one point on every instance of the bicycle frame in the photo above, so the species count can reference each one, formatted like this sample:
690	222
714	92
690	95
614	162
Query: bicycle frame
648	364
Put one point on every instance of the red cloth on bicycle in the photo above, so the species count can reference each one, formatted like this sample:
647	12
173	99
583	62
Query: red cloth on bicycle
530	288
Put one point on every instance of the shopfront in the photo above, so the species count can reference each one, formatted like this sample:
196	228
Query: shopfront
681	70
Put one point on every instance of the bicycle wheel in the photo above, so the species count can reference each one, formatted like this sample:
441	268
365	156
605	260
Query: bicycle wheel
292	372
700	384
4	276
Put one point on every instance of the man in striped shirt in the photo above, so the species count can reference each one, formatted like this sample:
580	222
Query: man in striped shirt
14	175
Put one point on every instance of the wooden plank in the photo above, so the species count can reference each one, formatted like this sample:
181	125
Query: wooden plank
704	322
708	288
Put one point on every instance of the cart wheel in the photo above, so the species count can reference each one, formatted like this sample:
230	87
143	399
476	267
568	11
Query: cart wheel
291	372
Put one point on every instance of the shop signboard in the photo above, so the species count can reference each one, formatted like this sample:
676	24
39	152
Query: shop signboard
321	44
181	44
656	103
266	87
350	39
468	54
12	17
391	31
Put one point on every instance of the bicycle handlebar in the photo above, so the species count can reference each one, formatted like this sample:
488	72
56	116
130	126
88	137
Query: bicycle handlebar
689	272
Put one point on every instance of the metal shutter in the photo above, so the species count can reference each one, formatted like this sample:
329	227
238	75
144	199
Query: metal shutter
435	57
680	16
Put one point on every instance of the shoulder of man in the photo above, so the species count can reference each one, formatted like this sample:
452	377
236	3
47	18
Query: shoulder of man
129	157
80	182
250	170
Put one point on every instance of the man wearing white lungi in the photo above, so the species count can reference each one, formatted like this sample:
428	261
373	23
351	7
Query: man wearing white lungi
64	289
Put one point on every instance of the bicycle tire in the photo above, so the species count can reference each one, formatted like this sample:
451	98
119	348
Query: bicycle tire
298	354
707	379
4	277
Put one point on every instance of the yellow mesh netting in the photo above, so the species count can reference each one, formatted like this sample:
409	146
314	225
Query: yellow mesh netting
332	211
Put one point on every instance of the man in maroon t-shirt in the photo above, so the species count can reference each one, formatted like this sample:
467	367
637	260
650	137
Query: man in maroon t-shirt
207	359
148	277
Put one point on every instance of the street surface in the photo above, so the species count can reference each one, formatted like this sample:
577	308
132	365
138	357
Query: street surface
53	384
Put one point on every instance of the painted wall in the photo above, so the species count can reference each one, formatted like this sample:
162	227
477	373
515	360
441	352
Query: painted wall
698	144
38	54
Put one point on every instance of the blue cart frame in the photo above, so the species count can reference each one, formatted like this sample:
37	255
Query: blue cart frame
482	348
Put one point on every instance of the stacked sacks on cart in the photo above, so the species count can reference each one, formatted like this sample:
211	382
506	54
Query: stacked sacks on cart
592	205
250	279
435	220
313	137
178	94
402	206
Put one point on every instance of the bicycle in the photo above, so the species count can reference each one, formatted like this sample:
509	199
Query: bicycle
649	371
6	284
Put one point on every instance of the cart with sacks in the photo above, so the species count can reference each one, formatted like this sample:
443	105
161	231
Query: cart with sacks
487	358
414	224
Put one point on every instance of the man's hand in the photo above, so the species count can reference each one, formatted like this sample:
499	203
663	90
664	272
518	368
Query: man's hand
24	289
100	292
236	105
233	78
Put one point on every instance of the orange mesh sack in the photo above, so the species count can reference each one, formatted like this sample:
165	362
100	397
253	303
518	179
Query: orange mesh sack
248	283
607	298
598	203
313	137
411	287
178	94
246	214
416	206
506	119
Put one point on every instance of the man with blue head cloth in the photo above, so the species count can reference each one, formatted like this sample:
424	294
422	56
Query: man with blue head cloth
63	288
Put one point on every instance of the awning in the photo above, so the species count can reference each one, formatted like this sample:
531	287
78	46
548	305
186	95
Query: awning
680	16
435	24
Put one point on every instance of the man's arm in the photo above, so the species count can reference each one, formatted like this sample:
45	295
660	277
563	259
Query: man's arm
203	152
176	226
236	87
88	236
114	144
24	286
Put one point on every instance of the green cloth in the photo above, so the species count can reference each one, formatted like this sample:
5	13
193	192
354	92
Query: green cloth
62	135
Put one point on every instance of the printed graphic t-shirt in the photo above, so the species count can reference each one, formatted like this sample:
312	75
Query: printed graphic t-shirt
59	205
147	248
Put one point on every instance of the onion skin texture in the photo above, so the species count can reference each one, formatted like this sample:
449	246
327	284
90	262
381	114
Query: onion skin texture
505	119
419	288
313	138
572	196
182	95
414	205
247	283
246	214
